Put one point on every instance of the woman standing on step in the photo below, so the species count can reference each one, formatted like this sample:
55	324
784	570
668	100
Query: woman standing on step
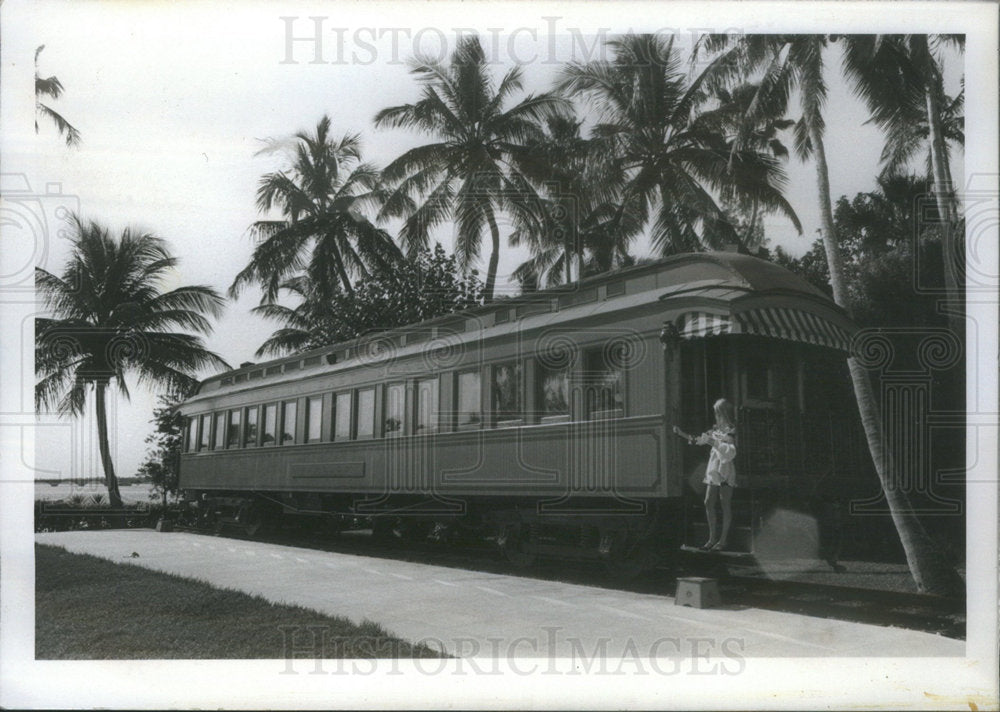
720	475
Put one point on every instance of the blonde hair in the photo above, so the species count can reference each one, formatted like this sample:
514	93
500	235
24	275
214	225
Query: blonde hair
725	414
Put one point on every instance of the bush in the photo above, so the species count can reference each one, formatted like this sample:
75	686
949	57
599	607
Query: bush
77	513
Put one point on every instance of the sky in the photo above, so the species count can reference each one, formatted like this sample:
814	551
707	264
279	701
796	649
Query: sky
173	100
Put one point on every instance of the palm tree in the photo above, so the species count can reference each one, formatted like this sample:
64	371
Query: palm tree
578	217
790	62
109	319
52	88
470	173
322	230
900	79
303	327
761	136
668	141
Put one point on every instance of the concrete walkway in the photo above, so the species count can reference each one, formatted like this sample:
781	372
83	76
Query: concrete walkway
474	614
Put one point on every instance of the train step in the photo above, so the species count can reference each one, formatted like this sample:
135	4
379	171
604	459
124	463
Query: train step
733	557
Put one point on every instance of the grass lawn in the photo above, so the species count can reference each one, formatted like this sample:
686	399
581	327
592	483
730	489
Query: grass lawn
89	608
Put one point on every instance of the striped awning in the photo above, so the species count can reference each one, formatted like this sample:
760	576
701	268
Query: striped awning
697	324
794	325
774	322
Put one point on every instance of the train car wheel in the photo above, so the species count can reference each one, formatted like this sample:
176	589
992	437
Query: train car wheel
515	545
383	530
253	520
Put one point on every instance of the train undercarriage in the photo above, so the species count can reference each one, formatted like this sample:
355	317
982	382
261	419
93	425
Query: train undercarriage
626	540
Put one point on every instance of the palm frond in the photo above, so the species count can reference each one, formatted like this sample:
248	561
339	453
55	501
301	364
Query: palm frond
64	127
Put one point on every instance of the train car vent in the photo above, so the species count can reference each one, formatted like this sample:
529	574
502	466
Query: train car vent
311	361
417	337
502	316
452	327
534	308
582	296
240	377
227	381
256	374
272	370
615	288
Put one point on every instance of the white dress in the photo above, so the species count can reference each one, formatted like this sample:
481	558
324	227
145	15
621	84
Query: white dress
721	468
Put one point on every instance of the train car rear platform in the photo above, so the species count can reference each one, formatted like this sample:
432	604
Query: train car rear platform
477	614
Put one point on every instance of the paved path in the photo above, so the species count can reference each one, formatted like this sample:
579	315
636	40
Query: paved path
475	614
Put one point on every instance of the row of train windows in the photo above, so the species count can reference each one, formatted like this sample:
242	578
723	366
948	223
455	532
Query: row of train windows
353	412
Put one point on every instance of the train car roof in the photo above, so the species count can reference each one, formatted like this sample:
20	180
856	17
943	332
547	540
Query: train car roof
706	278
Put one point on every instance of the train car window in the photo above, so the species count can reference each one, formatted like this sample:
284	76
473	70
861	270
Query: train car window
394	423
469	400
288	412
270	424
342	427
233	433
206	431
314	419
250	436
192	443
553	392
604	378
757	379
427	406
366	413
506	391
220	431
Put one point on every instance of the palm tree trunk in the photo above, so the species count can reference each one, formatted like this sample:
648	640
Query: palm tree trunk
568	259
491	273
931	573
114	496
342	272
945	202
750	228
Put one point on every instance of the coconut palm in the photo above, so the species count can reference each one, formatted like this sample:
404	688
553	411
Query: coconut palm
578	218
323	230
109	318
762	136
665	132
469	173
304	326
52	88
899	77
796	62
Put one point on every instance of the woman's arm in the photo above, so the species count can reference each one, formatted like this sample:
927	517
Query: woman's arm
689	438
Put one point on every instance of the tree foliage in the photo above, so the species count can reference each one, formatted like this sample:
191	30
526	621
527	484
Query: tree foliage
109	318
470	174
431	285
322	232
52	88
579	218
890	242
674	141
162	463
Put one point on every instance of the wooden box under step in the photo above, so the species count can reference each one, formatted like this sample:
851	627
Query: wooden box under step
697	592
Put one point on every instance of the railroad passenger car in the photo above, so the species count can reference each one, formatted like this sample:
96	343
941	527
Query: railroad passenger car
545	421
